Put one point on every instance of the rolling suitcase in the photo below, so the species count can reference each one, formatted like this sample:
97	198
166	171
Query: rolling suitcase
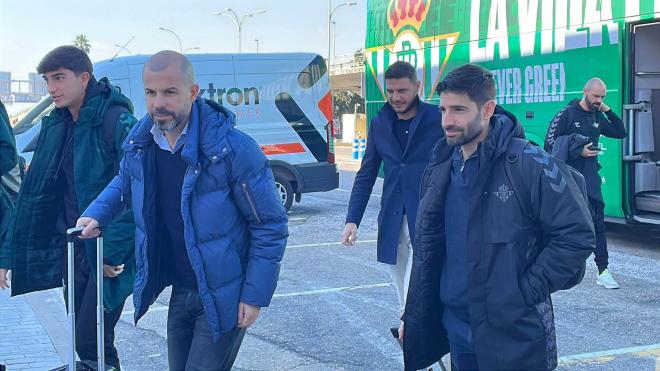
71	235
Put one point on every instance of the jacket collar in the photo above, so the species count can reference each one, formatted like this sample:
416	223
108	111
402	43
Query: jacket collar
388	116
208	125
89	107
503	127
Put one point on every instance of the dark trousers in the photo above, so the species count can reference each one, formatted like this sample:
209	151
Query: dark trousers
85	309
462	359
598	215
190	343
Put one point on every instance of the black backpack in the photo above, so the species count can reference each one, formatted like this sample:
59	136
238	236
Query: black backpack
516	178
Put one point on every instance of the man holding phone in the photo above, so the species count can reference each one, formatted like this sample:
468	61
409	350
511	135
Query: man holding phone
590	117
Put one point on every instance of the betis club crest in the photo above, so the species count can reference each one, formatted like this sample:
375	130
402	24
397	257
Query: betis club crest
405	19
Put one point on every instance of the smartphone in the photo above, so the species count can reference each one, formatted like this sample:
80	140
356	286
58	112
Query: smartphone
595	148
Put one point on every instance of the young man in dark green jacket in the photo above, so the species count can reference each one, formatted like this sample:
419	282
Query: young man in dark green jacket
78	153
8	159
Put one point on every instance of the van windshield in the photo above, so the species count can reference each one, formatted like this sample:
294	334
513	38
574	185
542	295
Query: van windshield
34	116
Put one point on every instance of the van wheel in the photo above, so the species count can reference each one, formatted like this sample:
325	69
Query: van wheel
284	190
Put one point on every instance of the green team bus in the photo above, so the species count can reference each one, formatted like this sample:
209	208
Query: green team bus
541	53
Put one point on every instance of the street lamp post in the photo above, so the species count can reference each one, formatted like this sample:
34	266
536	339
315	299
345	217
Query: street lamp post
257	41
331	12
239	23
175	35
334	39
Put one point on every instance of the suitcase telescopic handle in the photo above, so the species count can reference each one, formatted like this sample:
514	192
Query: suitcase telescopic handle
73	233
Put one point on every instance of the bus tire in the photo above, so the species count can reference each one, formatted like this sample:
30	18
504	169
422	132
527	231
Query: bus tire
284	189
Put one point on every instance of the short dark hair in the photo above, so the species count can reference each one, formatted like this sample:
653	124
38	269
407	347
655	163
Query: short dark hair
475	81
400	70
66	56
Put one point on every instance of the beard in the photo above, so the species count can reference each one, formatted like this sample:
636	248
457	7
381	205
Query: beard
592	105
468	134
408	108
168	124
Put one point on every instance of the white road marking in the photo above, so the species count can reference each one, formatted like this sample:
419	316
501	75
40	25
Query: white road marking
346	190
332	290
162	307
648	349
326	244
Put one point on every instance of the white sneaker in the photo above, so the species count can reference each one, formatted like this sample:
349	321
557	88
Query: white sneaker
606	279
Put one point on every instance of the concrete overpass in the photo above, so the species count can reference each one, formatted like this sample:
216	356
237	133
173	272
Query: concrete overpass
347	73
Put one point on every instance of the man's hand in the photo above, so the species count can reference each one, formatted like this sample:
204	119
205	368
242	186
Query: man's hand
112	271
91	227
349	236
604	107
4	274
401	331
247	314
586	152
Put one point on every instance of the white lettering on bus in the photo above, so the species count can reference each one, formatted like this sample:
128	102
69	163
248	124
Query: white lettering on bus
632	10
542	83
545	83
527	10
509	85
477	53
497	32
546	26
597	18
564	25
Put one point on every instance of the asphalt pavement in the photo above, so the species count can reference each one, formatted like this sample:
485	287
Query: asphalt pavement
334	305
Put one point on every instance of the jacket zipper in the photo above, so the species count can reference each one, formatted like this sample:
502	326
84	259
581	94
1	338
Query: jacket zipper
251	202
67	146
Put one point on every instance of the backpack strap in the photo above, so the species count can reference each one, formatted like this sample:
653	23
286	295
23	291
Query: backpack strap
513	171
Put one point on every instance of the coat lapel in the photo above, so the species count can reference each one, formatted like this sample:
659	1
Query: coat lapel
387	118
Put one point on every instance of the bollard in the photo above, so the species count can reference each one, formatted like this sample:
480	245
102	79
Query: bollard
363	148
356	149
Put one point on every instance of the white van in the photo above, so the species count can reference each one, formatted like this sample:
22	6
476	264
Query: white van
282	100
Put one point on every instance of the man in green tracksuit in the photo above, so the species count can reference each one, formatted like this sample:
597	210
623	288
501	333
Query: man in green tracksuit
78	153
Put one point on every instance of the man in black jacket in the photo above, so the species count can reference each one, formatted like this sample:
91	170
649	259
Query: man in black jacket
487	258
590	118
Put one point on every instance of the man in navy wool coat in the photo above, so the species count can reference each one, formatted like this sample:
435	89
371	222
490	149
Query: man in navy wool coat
401	137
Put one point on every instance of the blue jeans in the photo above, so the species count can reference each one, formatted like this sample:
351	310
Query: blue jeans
190	343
